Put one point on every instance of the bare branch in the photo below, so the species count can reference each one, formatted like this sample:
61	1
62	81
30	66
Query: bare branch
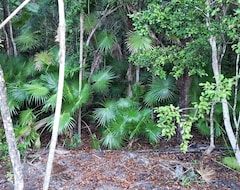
14	13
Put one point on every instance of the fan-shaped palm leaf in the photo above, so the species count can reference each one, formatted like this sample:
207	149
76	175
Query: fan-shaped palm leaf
17	93
137	42
26	117
41	59
106	114
132	116
152	132
50	81
27	41
126	103
161	90
102	80
14	107
37	92
111	140
105	41
50	103
66	122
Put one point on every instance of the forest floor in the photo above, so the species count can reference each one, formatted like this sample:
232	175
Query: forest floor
141	168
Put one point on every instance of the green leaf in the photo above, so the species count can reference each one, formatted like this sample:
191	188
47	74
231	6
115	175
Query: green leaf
42	59
102	80
27	41
66	123
111	140
137	42
50	103
231	162
82	98
105	41
161	90
37	92
106	114
26	117
33	7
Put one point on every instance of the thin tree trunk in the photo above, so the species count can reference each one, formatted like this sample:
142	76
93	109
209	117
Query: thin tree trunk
236	118
81	72
8	127
211	146
130	80
216	71
62	50
11	46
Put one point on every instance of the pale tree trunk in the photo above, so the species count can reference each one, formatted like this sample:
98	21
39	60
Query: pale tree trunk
212	145
8	127
217	71
14	13
236	118
6	117
62	50
81	72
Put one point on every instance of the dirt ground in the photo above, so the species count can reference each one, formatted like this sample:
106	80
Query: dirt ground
141	168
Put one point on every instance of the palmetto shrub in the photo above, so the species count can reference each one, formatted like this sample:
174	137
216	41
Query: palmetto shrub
32	94
123	120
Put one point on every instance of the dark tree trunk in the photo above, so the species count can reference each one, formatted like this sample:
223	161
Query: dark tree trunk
183	85
9	41
130	79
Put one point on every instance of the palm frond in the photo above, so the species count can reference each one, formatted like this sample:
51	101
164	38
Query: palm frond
111	140
66	122
131	116
26	117
152	132
137	42
50	81
50	103
27	41
82	98
17	93
41	59
105	41
106	114
14	107
37	92
102	80
126	103
161	90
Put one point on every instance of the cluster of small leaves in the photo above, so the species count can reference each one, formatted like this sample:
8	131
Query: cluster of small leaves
213	93
154	60
185	39
169	117
233	29
186	126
